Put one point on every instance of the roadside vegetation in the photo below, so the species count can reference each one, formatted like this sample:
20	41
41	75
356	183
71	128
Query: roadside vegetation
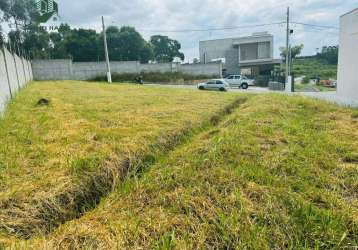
313	68
57	159
267	172
156	77
310	87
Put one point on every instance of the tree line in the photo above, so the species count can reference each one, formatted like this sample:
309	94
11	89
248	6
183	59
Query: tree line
327	54
80	45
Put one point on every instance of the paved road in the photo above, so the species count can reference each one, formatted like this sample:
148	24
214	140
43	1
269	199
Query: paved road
253	90
327	96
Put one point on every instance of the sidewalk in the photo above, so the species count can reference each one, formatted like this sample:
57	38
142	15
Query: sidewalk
331	97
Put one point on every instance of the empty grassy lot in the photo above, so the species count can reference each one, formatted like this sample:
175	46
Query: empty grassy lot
58	160
277	172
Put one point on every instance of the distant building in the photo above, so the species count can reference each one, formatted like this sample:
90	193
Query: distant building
251	55
348	57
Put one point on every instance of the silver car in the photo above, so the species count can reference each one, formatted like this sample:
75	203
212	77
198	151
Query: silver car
215	84
239	81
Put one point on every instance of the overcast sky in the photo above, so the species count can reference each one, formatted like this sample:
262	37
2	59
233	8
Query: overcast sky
148	16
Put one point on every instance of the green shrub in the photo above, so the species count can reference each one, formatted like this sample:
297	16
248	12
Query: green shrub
154	77
306	80
355	114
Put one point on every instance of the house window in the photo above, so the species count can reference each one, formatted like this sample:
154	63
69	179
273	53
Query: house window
264	50
248	51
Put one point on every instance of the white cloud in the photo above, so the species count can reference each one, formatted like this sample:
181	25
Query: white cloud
197	14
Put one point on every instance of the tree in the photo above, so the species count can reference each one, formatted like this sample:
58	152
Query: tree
36	42
295	51
59	42
126	44
329	54
20	12
4	5
165	49
82	45
146	53
2	39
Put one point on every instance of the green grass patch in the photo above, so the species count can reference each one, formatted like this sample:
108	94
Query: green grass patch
156	77
58	160
355	114
273	174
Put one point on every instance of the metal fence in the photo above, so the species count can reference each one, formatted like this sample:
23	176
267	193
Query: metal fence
15	72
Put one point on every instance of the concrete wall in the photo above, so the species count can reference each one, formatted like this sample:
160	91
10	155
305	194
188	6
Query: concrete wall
4	87
84	71
12	71
348	57
125	67
209	69
214	49
161	67
15	72
52	69
66	70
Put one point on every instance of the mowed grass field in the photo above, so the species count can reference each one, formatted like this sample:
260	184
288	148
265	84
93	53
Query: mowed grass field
221	171
58	160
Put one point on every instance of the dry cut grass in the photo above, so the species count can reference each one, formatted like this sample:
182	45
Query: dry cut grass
278	173
58	160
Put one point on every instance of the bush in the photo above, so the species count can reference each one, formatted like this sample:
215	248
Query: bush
355	114
154	77
306	80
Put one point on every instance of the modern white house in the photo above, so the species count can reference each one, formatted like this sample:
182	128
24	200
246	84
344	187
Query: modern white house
251	55
348	57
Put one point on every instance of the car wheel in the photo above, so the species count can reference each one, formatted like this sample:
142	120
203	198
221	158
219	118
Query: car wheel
201	88
244	85
222	89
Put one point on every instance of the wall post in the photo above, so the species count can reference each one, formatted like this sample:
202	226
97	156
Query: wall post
13	54
7	71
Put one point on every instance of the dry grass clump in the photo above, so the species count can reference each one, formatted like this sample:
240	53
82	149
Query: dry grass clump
59	160
271	175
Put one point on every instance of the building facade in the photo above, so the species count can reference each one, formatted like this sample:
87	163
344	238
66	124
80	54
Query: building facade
347	87
252	55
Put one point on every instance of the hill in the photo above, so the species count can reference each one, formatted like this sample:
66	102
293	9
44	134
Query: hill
312	67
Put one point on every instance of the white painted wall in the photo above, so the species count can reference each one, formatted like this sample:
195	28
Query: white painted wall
348	57
4	87
15	72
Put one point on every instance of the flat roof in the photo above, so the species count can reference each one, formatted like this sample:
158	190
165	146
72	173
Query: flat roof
269	62
242	37
350	12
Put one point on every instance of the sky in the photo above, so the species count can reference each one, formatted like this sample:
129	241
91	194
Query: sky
151	17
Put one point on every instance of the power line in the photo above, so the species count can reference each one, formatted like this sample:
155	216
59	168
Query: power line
318	26
212	29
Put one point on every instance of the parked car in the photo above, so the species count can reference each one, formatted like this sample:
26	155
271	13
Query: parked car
238	81
215	84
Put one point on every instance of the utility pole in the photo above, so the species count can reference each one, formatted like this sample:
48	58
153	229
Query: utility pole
288	78
109	76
